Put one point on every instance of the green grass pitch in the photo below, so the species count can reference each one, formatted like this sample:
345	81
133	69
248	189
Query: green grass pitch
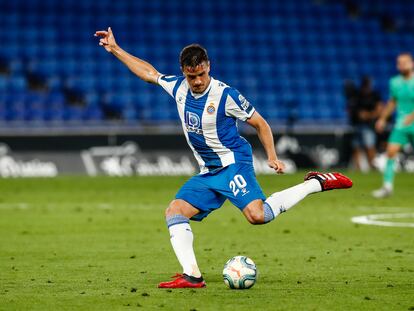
77	243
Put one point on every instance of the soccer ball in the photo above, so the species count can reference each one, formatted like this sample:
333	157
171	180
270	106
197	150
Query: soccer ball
240	273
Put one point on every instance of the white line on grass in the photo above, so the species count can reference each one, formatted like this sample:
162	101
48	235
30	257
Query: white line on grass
378	220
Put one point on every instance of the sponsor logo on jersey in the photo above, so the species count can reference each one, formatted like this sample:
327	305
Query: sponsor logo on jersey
210	108
244	103
193	123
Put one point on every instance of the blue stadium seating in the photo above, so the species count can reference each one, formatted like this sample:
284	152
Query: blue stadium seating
288	58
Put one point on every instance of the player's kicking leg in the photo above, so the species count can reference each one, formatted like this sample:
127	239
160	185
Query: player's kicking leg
259	212
178	216
180	211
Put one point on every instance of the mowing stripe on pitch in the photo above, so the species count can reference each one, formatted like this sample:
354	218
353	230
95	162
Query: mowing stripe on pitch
103	206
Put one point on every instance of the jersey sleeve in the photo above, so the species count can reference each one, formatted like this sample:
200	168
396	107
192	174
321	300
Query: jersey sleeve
170	83
238	106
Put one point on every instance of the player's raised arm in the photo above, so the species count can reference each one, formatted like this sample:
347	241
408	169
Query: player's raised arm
141	68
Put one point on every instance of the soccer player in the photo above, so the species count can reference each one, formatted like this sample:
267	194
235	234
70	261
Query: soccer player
402	100
209	110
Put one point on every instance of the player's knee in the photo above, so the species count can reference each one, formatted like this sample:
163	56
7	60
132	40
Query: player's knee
392	151
255	217
175	208
172	209
254	212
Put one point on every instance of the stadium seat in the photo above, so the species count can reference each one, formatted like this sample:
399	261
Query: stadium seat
273	52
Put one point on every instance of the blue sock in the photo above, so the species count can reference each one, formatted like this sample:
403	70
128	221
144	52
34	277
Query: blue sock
268	213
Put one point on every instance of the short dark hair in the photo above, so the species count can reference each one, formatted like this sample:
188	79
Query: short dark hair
193	55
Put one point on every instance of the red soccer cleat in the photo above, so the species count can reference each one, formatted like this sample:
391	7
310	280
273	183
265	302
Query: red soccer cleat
330	181
183	281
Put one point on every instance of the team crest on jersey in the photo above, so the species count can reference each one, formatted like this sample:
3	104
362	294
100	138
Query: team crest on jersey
210	108
244	103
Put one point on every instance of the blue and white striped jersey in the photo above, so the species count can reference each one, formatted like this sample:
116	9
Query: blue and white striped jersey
209	122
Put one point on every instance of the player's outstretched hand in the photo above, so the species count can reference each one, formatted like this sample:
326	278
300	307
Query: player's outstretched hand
277	165
107	39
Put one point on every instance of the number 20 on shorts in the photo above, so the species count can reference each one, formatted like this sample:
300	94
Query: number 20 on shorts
238	182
